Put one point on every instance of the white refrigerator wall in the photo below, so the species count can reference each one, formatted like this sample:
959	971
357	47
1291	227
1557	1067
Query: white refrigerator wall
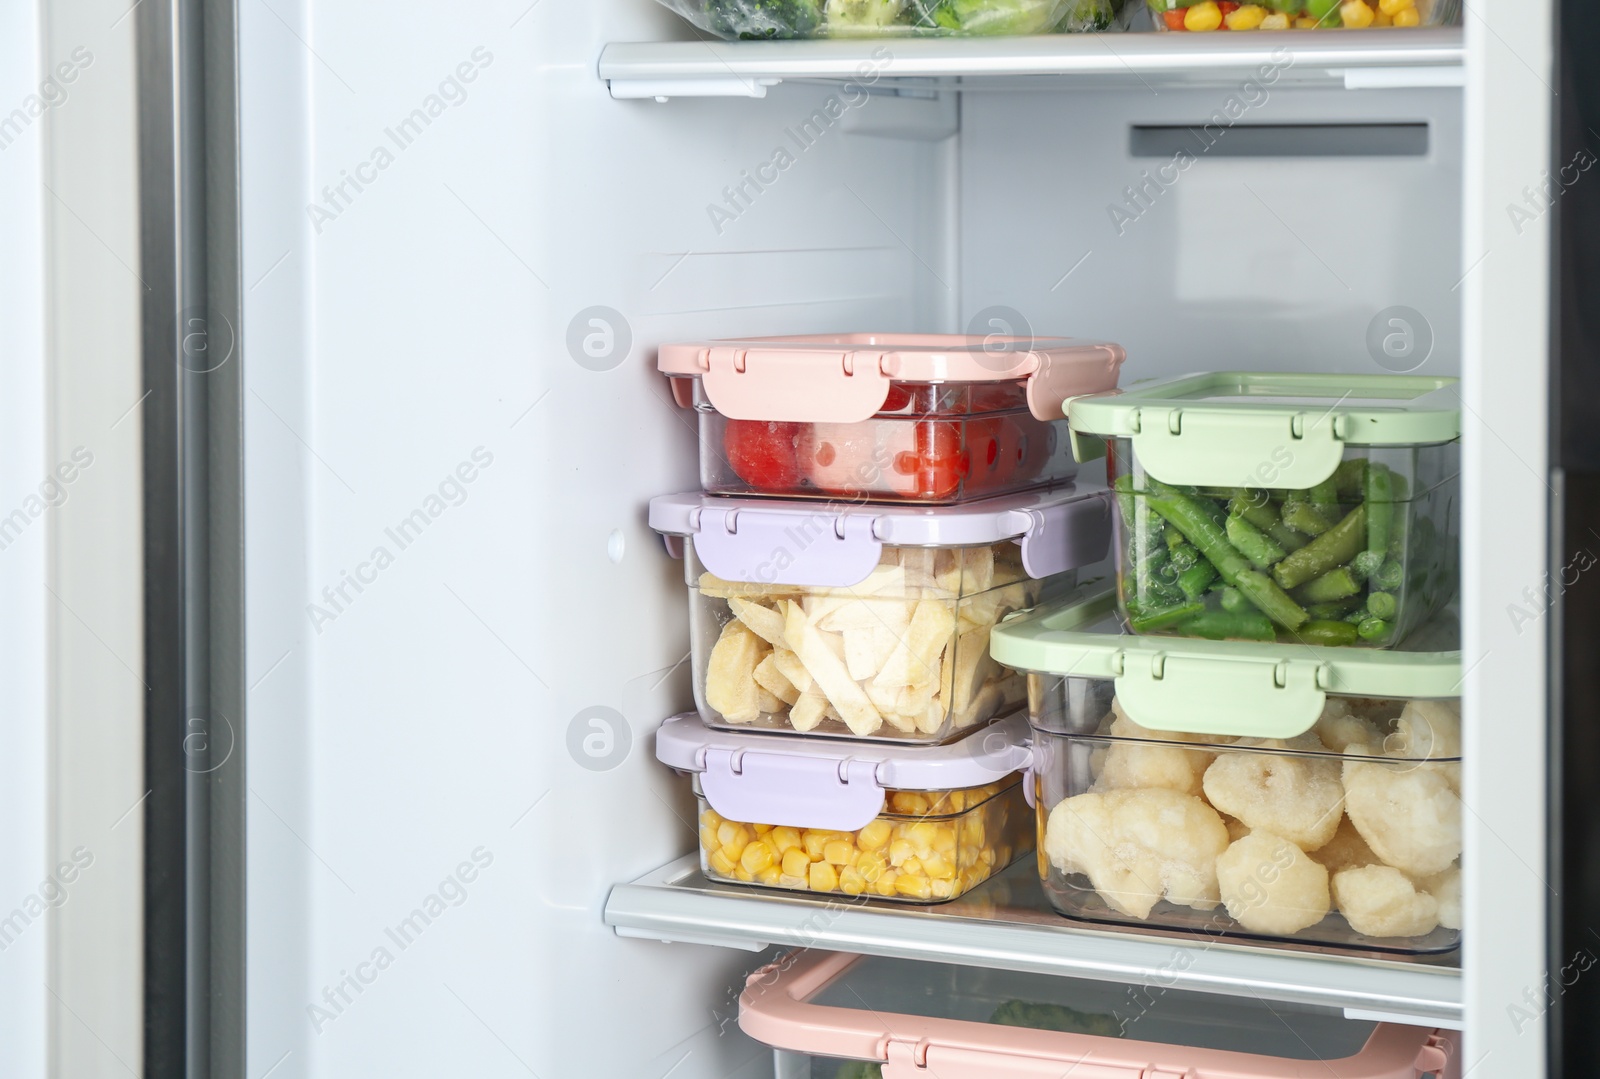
461	632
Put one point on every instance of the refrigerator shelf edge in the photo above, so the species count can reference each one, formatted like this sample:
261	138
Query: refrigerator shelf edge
676	904
1406	59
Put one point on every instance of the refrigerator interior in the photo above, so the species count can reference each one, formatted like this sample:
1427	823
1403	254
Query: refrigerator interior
461	634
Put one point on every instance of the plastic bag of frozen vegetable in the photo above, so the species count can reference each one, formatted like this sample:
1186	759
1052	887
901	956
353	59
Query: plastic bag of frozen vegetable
778	19
1203	15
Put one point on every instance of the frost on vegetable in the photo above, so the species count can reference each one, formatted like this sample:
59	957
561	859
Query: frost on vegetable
1293	794
1408	812
1139	847
1381	901
1269	885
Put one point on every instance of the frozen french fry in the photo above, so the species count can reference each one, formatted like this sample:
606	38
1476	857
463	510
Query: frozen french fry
763	621
983	704
977	570
963	675
790	667
808	711
772	679
916	655
947	569
767	702
730	674
712	585
833	678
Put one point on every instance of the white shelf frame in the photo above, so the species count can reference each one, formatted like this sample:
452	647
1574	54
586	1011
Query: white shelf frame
1354	60
675	904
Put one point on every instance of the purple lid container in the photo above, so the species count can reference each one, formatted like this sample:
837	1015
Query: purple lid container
829	545
815	783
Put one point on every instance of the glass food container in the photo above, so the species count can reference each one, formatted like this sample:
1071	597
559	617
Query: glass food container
1203	15
928	418
916	824
1277	792
835	1016
1314	509
870	622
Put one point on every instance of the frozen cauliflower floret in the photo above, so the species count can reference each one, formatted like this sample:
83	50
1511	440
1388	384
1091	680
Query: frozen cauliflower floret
1346	850
1446	890
1380	901
1339	727
1297	797
1269	885
1129	766
1407	812
1429	730
1138	847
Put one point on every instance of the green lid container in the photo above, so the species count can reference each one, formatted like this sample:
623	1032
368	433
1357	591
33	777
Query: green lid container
1311	509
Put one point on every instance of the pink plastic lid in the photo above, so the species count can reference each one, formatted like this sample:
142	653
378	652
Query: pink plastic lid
776	1008
844	378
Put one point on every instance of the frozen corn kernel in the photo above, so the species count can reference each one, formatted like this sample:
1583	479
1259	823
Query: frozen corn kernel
784	838
899	851
1276	21
1407	17
938	867
769	876
886	883
944	889
742	874
874	836
912	866
756	857
710	818
921	835
787	881
1204	16
795	862
1381	20
839	852
1305	22
1394	7
909	803
721	864
852	881
708	837
872	865
1248	17
823	878
814	841
917	887
1356	15
733	837
762	829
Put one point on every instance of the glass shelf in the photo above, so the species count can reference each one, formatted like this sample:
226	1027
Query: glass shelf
1356	59
1006	923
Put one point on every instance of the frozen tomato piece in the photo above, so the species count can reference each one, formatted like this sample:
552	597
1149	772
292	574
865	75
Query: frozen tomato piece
938	464
995	450
765	453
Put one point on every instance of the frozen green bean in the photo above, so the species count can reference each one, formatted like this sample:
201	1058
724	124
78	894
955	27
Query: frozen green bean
1304	517
1327	632
1335	584
1253	543
1383	605
1333	548
1230	625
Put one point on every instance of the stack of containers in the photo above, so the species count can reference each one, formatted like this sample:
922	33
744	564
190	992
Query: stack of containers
1273	751
873	505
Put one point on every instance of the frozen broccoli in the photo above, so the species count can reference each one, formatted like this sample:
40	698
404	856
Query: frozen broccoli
1022	1013
763	19
859	1069
861	18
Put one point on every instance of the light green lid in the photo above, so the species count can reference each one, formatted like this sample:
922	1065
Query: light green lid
1216	429
1245	689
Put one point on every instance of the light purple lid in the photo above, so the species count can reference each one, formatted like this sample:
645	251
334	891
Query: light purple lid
827	544
805	782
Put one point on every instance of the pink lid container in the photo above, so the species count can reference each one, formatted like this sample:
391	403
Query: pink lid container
929	418
933	1019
